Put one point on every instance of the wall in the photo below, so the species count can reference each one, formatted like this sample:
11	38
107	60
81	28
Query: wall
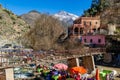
93	23
72	62
88	63
87	24
2	77
111	29
94	39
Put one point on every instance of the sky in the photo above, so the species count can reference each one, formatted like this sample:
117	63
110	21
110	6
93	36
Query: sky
46	6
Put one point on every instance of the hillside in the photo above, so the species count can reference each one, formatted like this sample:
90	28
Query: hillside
108	10
12	27
112	13
31	17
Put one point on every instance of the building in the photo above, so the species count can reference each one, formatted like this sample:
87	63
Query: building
95	40
87	31
85	25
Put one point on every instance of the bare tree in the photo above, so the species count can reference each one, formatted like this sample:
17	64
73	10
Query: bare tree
45	33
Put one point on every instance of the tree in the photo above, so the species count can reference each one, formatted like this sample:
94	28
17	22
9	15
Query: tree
97	7
45	33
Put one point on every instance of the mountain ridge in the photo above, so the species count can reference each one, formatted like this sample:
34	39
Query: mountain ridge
63	16
30	17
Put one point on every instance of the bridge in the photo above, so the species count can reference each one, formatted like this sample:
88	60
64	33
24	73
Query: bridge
15	59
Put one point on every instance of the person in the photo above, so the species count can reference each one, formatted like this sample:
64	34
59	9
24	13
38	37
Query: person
55	77
68	75
60	77
39	70
84	77
107	77
78	76
48	76
63	74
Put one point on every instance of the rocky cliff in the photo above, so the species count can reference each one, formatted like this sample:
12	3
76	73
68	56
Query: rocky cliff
112	13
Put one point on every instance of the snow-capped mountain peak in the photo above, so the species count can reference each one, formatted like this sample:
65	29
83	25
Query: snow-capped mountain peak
62	13
65	17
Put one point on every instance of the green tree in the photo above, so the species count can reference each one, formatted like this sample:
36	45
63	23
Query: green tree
97	7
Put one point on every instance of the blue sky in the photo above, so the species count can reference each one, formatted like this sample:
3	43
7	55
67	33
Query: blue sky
51	6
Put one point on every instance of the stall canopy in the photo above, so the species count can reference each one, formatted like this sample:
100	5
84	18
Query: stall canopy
61	66
79	69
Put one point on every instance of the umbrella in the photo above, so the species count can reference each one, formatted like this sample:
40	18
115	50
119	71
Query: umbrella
61	66
79	69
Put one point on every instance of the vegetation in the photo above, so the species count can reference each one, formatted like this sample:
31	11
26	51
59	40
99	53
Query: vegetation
45	33
9	26
97	7
108	10
8	12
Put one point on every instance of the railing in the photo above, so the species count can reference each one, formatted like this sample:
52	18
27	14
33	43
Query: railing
88	50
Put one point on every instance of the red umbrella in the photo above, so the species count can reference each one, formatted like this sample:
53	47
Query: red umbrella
79	69
61	66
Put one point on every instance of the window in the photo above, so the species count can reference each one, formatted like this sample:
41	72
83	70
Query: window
94	29
91	40
81	30
76	30
96	22
84	23
90	23
99	40
85	40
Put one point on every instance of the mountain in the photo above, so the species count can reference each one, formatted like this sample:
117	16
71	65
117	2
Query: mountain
30	17
65	17
12	27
